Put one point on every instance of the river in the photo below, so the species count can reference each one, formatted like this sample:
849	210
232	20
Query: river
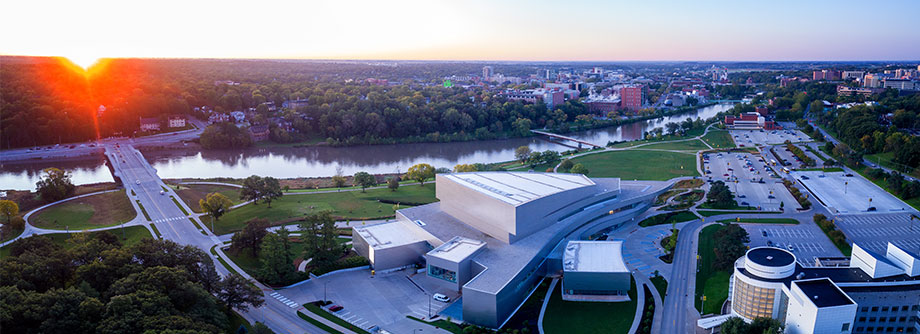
324	161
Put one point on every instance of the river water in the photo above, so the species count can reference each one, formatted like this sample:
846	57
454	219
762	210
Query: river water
324	161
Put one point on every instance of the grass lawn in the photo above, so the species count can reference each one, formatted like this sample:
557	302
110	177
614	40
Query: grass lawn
661	285
235	321
95	211
350	205
133	235
639	165
719	139
317	323
588	317
710	213
689	145
788	221
9	232
329	316
251	265
191	193
887	160
441	324
667	218
706	205
710	282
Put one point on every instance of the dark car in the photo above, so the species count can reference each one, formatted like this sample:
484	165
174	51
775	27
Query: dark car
744	203
871	209
764	233
805	177
849	175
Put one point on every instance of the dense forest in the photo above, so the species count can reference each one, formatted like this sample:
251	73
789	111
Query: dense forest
94	284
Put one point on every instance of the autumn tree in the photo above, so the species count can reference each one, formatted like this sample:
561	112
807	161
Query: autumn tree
8	209
421	172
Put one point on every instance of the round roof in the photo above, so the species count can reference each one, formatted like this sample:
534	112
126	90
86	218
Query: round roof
770	256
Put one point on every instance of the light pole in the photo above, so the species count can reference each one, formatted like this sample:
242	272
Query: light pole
324	291
845	183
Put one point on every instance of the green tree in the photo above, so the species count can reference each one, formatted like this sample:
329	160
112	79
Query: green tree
250	237
522	153
8	209
720	196
464	168
277	260
260	328
319	235
252	189
566	165
730	245
271	190
55	185
579	169
364	180
393	183
421	172
522	126
237	293
215	204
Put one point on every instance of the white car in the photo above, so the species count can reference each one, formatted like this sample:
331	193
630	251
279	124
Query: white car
162	192
441	297
137	182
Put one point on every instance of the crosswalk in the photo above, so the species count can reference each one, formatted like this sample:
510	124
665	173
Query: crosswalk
352	318
284	300
171	219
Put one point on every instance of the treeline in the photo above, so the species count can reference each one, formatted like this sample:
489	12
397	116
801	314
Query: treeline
98	285
867	130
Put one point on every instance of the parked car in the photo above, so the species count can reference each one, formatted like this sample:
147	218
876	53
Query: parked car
335	308
441	297
137	181
805	177
849	175
769	243
764	233
744	204
742	196
871	209
790	248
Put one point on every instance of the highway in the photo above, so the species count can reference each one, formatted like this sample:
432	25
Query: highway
144	186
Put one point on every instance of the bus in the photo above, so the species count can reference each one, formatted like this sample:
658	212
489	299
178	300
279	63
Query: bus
786	170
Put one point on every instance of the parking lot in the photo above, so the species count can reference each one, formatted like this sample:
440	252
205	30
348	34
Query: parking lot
748	170
848	195
767	137
382	300
873	232
806	239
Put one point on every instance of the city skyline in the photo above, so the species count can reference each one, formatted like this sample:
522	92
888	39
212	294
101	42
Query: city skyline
507	31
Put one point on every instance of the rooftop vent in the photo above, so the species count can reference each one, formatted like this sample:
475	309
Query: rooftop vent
769	258
801	275
419	223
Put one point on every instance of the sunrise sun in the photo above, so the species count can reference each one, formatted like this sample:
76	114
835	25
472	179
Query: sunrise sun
84	61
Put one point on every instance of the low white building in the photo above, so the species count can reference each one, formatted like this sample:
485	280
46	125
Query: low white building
593	270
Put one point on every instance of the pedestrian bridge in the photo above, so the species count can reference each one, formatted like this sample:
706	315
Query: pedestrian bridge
558	136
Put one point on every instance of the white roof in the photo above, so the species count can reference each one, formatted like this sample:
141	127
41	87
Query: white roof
457	249
519	188
390	234
594	256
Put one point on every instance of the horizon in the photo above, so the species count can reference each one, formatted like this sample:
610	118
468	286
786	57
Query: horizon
583	31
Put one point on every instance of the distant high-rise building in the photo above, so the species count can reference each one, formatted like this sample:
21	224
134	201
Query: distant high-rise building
631	97
850	75
872	81
825	75
487	73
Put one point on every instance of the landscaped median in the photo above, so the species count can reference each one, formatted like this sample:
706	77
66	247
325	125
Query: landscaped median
711	280
710	213
100	210
788	221
668	218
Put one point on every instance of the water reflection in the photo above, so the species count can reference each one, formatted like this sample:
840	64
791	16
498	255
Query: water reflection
323	161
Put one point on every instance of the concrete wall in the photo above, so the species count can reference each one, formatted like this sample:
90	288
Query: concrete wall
596	283
538	214
390	257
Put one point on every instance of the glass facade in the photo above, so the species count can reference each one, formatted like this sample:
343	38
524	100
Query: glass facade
751	301
444	274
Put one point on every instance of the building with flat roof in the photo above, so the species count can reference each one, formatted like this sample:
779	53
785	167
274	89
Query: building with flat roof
494	235
874	293
593	270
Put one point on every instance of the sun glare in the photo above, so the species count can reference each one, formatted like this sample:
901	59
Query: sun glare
84	61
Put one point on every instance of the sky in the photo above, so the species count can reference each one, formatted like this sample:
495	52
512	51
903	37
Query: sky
537	30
